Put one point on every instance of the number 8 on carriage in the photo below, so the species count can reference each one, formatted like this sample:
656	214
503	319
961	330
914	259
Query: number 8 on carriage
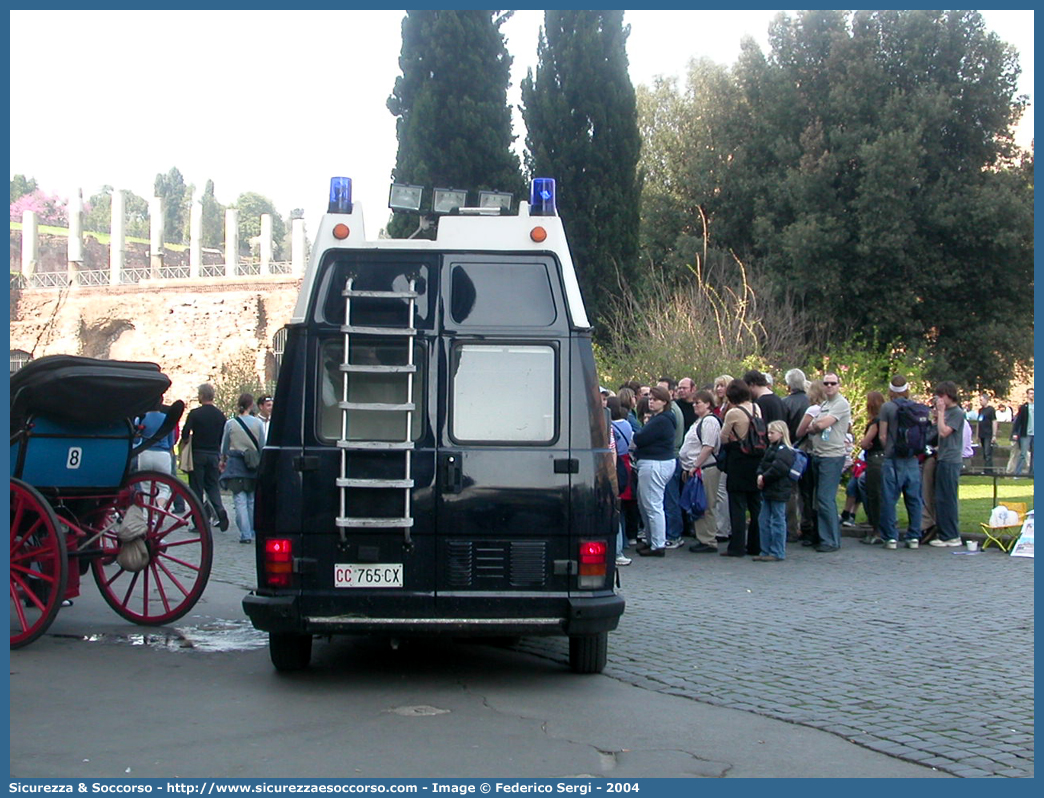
438	461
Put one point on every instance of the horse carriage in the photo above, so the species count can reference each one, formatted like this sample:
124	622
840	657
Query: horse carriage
78	505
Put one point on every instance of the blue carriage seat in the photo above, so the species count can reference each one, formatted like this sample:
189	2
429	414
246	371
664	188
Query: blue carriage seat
72	419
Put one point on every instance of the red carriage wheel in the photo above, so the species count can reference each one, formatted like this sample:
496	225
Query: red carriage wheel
178	542
39	567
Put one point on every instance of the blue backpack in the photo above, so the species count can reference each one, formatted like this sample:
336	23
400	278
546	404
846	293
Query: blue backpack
799	466
912	425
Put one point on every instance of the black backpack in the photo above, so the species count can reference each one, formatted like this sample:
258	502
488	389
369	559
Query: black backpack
755	442
912	426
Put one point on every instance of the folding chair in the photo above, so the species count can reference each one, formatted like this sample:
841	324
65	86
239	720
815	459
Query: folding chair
1005	536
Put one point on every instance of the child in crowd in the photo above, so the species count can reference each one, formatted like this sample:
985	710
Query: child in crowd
775	486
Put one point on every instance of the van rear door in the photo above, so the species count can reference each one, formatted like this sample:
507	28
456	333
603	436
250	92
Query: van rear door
366	494
504	467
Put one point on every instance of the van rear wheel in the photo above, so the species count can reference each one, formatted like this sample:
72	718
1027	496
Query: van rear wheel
289	651
588	653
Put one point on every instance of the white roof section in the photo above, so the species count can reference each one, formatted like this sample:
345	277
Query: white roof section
464	233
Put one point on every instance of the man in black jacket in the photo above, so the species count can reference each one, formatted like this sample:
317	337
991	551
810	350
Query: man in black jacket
204	428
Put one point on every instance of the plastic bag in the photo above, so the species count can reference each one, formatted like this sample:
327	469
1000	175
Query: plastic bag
694	497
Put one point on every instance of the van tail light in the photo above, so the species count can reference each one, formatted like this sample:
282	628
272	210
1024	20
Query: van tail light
279	562
594	556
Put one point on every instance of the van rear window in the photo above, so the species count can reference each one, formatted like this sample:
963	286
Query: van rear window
504	393
502	295
370	425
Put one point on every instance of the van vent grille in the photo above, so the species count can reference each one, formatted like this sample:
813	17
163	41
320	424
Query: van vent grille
528	559
460	560
496	564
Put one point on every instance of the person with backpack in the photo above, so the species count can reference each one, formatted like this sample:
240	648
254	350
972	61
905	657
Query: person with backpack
774	482
623	435
827	432
698	458
903	428
950	421
744	440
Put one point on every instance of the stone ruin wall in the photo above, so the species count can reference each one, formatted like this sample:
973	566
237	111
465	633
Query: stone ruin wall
189	327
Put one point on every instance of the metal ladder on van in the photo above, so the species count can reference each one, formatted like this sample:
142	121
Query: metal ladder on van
345	483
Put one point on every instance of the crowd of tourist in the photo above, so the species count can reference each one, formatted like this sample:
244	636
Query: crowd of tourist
747	445
216	453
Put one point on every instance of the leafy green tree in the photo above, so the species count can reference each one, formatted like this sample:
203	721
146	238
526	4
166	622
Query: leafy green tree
20	186
136	210
97	213
213	218
176	198
251	206
689	160
866	168
452	117
898	199
582	129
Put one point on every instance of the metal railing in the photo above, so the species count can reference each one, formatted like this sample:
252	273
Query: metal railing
93	277
133	275
212	270
175	272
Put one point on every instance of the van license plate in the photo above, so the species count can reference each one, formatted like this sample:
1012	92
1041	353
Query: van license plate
353	575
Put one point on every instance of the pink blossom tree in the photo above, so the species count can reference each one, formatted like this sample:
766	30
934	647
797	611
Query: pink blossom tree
49	208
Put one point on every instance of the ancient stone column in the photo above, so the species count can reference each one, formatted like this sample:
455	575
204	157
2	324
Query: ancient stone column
156	237
297	247
266	243
30	244
75	257
195	238
231	242
116	244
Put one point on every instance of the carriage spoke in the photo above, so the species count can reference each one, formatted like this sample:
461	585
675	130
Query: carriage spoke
179	559
39	567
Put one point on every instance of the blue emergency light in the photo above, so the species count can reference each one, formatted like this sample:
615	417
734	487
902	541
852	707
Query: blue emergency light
542	197
340	195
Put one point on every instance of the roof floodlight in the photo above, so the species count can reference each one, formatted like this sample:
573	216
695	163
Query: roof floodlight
495	199
447	200
406	198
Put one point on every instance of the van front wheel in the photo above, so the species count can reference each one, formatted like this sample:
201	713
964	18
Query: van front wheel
289	652
587	653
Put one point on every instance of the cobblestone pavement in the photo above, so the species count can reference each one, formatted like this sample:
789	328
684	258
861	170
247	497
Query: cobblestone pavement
925	655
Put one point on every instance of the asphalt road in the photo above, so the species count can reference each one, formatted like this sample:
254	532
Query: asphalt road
862	663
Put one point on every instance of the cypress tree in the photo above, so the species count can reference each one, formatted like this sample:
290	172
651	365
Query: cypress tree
454	122
582	130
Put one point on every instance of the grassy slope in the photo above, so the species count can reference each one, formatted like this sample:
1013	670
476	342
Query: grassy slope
976	500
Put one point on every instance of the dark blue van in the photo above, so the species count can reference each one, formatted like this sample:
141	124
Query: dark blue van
437	462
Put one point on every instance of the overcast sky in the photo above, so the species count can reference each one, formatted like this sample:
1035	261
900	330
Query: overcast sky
277	102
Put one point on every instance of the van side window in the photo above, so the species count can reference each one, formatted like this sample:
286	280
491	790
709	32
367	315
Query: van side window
390	388
502	295
504	393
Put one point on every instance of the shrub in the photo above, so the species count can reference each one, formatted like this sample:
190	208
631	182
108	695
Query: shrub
868	365
238	375
705	322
